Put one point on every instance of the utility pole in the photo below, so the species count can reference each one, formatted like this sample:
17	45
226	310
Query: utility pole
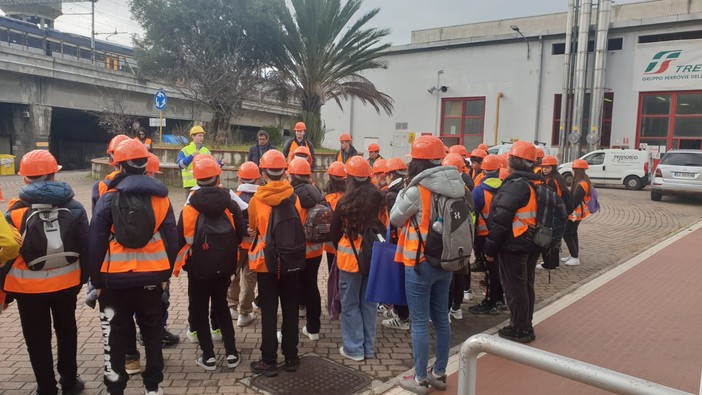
92	31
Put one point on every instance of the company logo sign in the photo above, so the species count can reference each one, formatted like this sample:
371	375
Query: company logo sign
661	61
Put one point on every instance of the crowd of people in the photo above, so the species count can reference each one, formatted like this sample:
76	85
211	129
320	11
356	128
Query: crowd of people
261	247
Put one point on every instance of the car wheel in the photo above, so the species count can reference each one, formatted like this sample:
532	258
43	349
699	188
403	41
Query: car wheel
656	196
633	182
568	178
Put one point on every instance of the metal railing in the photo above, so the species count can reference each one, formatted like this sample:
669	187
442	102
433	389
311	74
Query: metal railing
573	369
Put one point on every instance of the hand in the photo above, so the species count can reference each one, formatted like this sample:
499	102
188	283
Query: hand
97	292
489	258
251	232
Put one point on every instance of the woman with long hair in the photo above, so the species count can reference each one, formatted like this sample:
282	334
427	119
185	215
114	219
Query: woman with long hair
580	188
333	192
554	180
362	207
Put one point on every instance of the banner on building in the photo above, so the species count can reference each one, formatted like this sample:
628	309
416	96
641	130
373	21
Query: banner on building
668	65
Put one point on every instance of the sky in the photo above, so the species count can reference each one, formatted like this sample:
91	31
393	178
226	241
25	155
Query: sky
401	16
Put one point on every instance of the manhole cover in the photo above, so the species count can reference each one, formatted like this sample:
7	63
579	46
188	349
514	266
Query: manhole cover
316	375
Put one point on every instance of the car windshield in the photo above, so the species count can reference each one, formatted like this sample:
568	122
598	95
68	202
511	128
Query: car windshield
682	159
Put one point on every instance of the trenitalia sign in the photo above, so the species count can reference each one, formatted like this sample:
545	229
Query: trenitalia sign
669	65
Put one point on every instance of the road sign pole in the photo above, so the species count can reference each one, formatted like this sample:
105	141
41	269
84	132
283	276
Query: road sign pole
160	125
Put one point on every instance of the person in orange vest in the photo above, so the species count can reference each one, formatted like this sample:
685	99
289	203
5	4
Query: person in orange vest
209	269
347	150
100	187
130	260
242	290
465	173
379	175
427	286
299	141
361	206
272	287
303	152
141	137
554	180
580	189
334	190
512	213
539	157
45	286
373	153
476	172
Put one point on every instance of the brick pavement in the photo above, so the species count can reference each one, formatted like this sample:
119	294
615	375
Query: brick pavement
628	223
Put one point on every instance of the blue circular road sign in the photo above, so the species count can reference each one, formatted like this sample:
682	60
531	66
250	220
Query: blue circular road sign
160	100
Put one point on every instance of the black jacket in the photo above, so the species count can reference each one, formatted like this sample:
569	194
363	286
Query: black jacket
345	156
305	143
308	194
394	188
512	196
213	201
255	154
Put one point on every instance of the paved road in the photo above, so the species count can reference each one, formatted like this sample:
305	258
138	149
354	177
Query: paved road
628	223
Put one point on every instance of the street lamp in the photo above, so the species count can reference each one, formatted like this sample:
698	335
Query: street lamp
438	99
516	29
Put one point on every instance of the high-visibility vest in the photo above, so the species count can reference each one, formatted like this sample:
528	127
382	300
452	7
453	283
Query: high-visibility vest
538	170
20	279
478	178
104	184
147	141
332	199
345	257
257	260
525	216
582	211
481	229
340	157
150	258
187	173
293	147
408	241
190	215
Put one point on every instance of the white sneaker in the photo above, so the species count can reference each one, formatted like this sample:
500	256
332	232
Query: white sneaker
245	319
382	309
468	295
234	313
565	258
216	335
389	314
279	335
397	323
312	336
572	262
344	354
457	314
159	391
192	336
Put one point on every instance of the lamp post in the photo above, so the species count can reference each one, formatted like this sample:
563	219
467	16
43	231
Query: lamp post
438	101
516	29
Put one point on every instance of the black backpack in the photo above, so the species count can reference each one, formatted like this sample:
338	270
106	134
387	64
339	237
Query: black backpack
318	223
133	219
551	217
372	233
284	252
49	237
213	253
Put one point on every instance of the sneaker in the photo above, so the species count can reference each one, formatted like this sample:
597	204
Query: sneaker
345	355
312	336
572	262
500	305
531	333
279	335
77	387
159	391
169	339
132	365
410	383
209	364
192	336
456	314
234	313
484	308
389	314
216	335
302	311
291	364
436	382
233	360
245	319
268	370
397	323
510	333
542	267
382	309
468	295
565	258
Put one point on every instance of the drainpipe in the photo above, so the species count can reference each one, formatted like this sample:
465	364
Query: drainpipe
564	127
538	89
580	77
598	81
497	115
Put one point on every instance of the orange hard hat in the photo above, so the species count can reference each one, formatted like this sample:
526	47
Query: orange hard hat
249	171
427	147
356	166
273	159
379	166
580	164
129	150
524	150
115	142
204	156
491	163
300	167
302	150
483	147
337	169
458	149
549	160
373	147
478	153
345	137
539	153
206	168
504	173
153	164
454	160
300	126
395	164
446	150
38	163
503	159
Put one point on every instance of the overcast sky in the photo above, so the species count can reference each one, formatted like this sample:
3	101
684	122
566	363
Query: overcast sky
401	16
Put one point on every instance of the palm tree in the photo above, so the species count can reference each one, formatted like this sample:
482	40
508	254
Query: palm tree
324	55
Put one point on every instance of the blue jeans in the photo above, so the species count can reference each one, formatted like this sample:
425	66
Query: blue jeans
427	297
357	316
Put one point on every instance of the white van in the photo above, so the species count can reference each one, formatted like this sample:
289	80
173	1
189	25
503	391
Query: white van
614	167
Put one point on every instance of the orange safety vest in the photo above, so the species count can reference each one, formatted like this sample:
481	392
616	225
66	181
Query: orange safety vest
257	259
147	141
525	216
190	216
408	242
332	199
20	279
481	229
478	178
293	147
345	258
150	258
104	184
582	211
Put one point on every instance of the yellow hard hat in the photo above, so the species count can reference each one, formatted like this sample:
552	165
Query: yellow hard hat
196	130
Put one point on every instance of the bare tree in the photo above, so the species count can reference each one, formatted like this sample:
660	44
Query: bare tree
112	114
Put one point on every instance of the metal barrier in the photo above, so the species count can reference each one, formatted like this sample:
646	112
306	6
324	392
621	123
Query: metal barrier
573	369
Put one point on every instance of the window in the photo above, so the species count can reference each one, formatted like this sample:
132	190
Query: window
670	119
606	128
689	35
613	44
596	159
462	120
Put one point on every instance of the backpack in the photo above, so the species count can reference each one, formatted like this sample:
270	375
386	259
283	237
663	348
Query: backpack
49	237
593	205
450	239
133	219
318	224
284	252
213	255
551	217
372	233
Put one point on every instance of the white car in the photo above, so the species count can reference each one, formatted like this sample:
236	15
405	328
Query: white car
614	167
679	172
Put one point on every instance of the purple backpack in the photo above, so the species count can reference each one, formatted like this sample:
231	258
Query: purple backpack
593	205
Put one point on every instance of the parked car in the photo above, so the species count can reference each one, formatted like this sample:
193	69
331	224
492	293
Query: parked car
679	172
503	148
614	167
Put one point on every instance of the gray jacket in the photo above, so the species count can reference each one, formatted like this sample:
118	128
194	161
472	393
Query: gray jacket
444	180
